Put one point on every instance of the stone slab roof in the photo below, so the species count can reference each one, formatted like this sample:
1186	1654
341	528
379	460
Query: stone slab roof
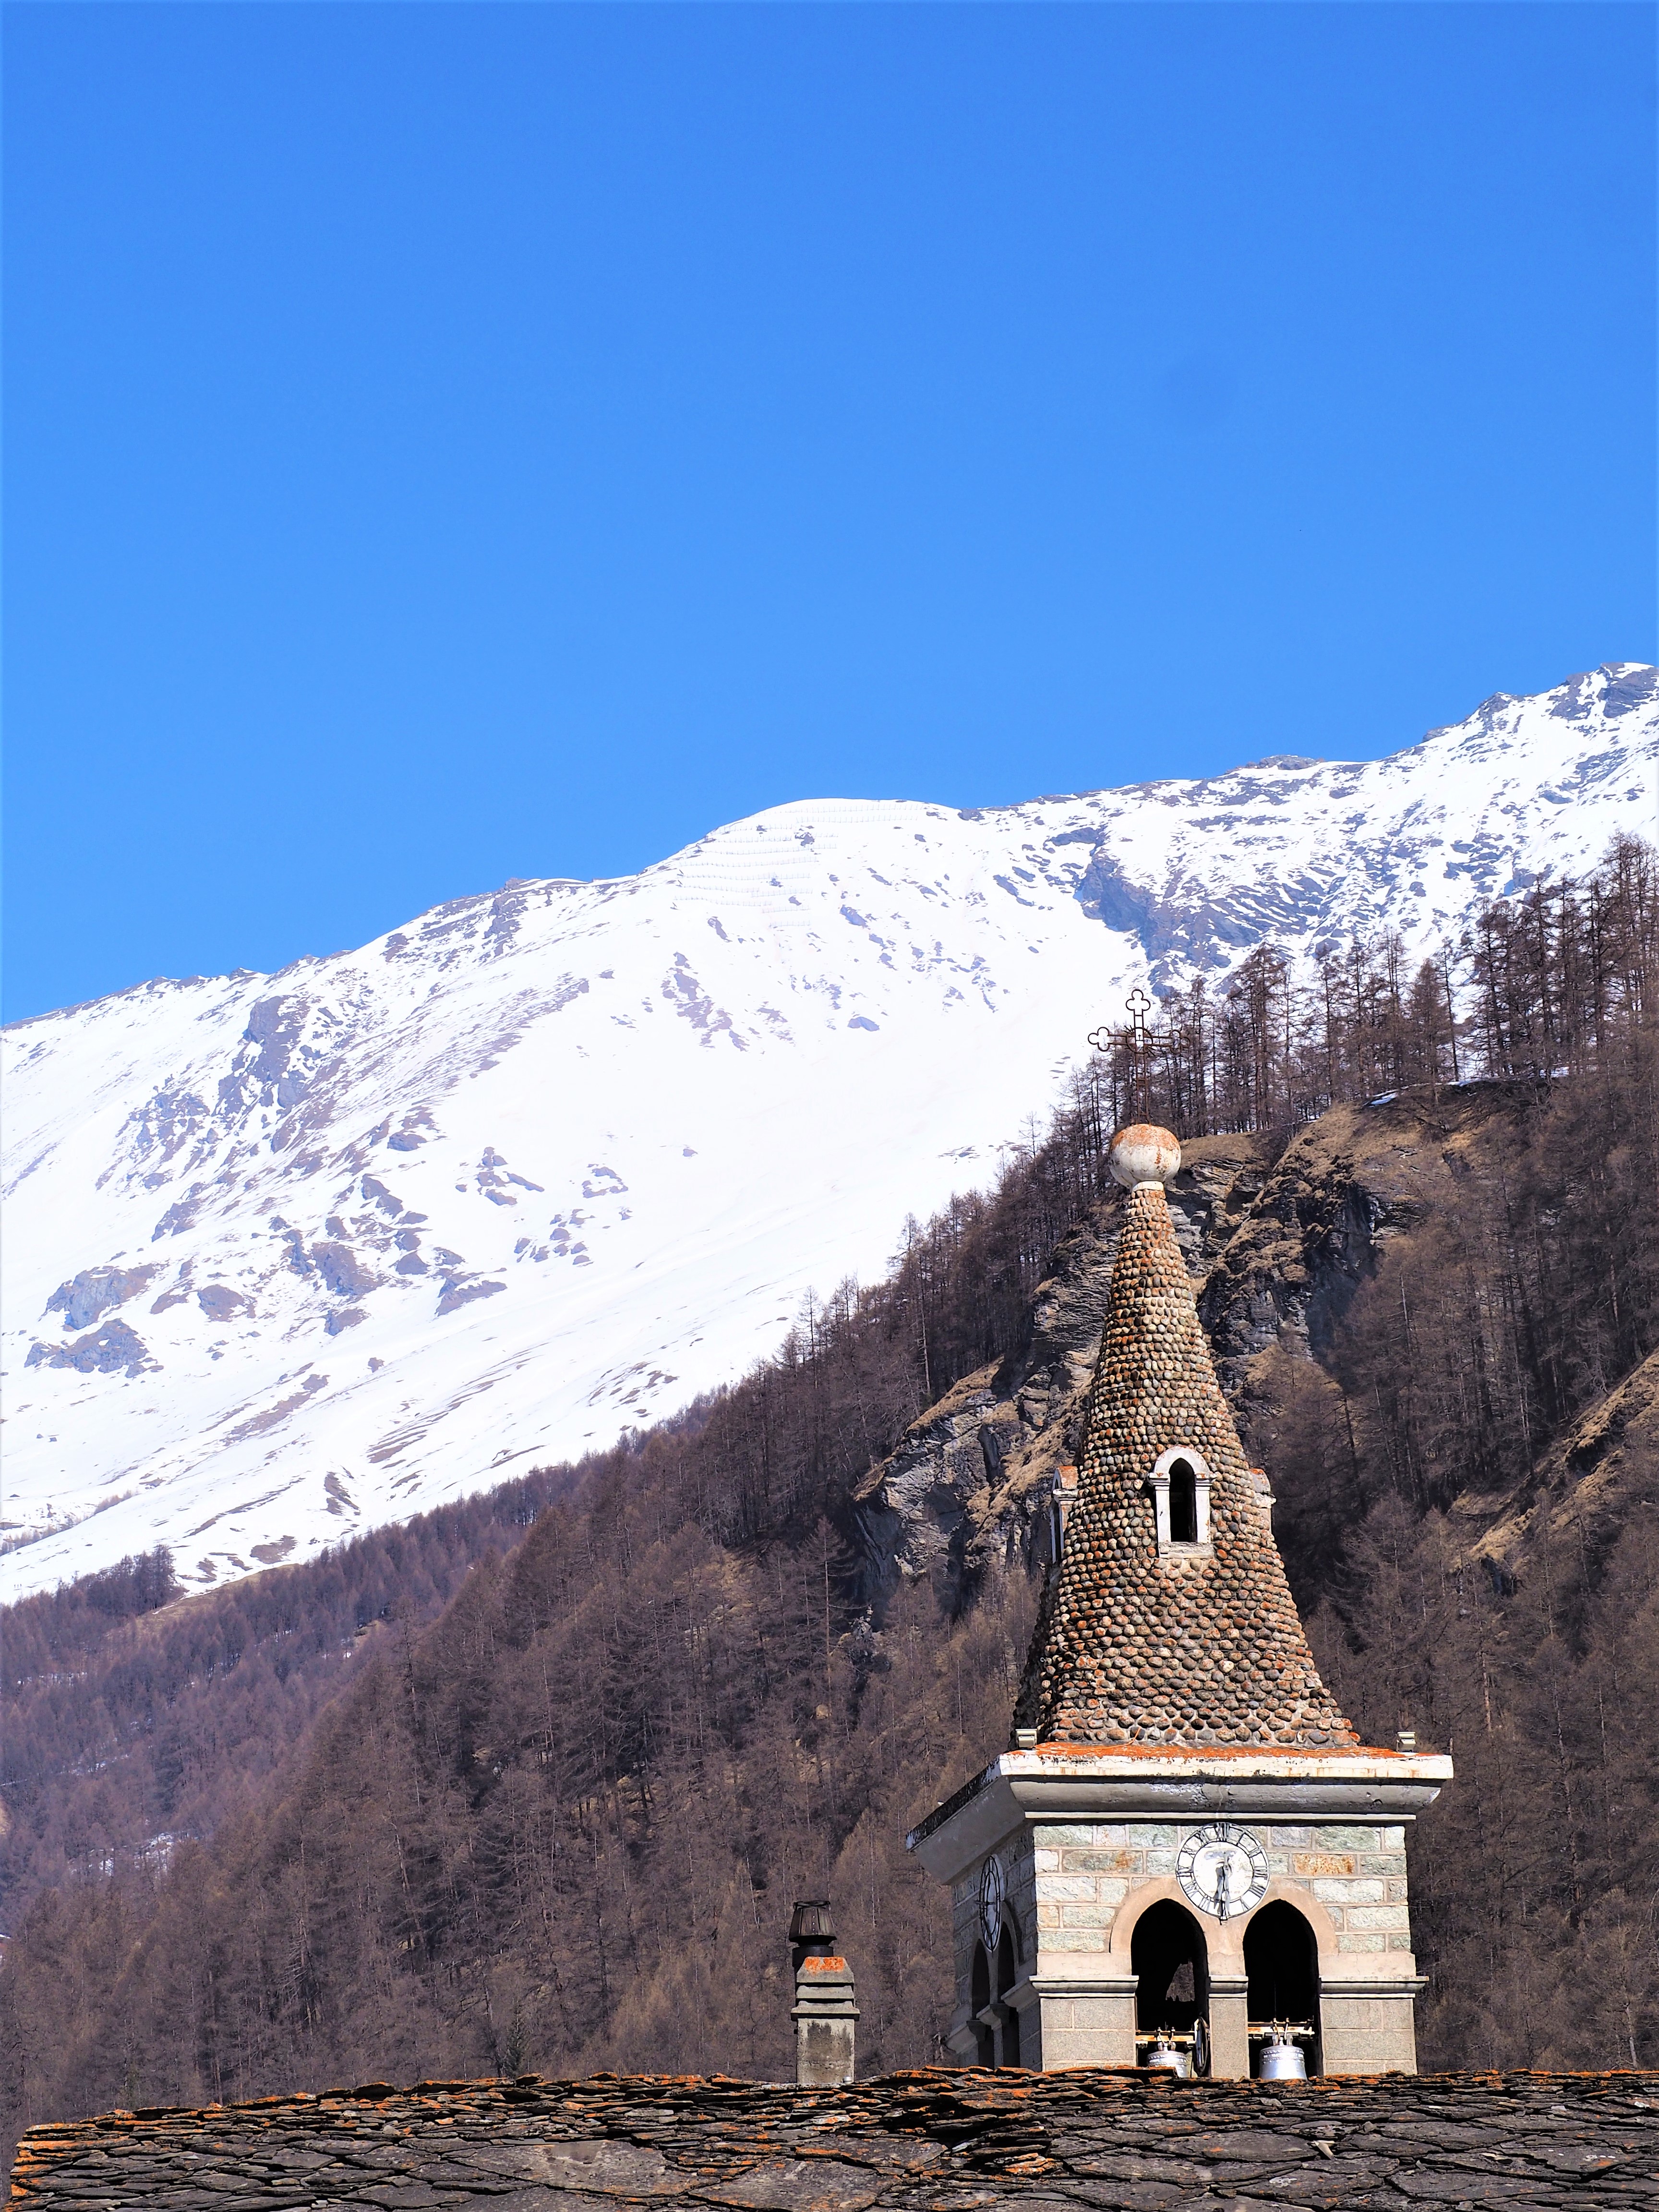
936	2141
1133	1647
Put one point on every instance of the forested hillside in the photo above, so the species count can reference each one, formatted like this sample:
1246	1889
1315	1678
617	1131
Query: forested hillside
133	1721
561	1826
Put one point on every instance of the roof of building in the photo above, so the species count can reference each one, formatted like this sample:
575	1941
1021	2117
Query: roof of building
905	2142
1133	1645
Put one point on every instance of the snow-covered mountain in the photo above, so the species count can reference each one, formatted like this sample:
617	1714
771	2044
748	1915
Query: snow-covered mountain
288	1256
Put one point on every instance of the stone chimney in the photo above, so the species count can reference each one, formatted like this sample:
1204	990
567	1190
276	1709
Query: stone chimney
826	2001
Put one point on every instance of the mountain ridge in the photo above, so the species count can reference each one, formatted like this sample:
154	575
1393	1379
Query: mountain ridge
310	1190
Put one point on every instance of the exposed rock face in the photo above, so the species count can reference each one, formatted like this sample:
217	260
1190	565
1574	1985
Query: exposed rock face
905	2142
94	1291
341	1270
1343	1187
114	1349
1586	1483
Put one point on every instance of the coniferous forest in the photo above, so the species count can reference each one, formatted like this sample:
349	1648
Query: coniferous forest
532	1782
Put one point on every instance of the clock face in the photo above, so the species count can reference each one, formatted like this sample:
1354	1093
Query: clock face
1223	1870
992	1889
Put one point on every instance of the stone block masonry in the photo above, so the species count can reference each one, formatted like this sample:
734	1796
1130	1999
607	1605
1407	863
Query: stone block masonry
935	2141
1080	1873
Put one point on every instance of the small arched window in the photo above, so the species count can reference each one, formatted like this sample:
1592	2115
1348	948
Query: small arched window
1183	1504
1180	1484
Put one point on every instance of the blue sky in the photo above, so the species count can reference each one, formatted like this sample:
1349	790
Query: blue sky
447	443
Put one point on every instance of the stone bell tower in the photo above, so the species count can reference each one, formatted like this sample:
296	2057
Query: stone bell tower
1188	1857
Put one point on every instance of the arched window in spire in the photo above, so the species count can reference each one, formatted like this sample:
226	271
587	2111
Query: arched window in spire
1180	1484
1183	1503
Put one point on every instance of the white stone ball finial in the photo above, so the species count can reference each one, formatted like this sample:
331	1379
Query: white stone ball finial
1144	1155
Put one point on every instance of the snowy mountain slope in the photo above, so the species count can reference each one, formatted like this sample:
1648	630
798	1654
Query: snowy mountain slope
289	1256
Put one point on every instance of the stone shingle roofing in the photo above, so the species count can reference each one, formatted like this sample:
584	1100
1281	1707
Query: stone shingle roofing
1132	1648
934	2141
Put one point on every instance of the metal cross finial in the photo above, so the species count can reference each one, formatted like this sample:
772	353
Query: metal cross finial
1142	1043
1141	1039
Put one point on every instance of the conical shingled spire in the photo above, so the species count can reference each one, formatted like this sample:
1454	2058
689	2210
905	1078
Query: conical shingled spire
1139	1641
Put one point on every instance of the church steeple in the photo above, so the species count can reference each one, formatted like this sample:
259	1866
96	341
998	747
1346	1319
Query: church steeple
1186	1858
1168	1620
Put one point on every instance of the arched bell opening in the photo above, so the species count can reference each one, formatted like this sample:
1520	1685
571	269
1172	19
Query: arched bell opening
979	1991
1183	1503
1007	1975
1281	1960
1171	1961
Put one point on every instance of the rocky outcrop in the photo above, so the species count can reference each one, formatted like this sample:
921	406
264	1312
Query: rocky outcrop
94	1291
341	1270
114	1349
1118	2140
1586	1485
1343	1187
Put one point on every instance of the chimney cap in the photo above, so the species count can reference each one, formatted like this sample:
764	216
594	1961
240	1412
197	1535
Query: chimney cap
813	1922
